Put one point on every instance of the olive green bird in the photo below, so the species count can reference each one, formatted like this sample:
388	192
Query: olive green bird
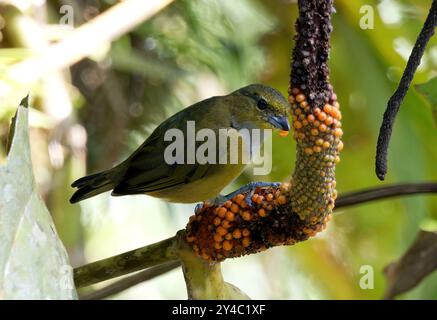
146	172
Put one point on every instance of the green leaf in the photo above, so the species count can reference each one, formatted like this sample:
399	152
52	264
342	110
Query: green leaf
429	91
33	261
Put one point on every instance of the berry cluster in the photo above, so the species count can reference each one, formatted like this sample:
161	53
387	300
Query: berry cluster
318	135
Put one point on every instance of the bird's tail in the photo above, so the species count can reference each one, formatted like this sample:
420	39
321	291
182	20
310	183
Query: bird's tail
92	185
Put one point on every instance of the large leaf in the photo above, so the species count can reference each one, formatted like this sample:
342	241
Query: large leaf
429	90
33	261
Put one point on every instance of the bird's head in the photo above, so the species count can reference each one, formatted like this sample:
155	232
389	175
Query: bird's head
261	107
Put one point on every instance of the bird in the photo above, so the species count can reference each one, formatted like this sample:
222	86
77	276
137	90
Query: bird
146	170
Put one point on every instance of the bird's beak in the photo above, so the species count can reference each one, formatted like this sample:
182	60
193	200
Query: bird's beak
279	122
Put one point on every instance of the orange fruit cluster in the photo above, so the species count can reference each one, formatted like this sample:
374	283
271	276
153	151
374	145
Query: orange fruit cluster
230	230
317	128
318	135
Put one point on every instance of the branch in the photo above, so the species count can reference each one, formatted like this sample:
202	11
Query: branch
135	260
131	281
87	39
396	99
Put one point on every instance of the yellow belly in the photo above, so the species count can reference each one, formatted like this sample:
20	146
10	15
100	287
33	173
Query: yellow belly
203	189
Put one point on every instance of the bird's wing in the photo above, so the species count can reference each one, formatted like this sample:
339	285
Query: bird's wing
146	170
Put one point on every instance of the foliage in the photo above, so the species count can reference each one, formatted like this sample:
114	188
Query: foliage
33	261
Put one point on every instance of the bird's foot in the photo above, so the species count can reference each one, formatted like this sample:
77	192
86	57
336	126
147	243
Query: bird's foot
217	201
250	189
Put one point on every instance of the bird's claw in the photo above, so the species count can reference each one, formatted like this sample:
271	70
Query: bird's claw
216	202
249	189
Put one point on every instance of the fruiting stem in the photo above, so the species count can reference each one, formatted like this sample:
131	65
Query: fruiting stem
396	99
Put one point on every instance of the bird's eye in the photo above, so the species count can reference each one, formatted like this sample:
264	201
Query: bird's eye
262	104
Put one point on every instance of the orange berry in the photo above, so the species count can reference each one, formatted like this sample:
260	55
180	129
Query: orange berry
317	149
295	91
300	98
226	224
221	212
338	132
311	118
323	127
304	123
246	215
262	212
234	208
236	234
221	231
314	132
326	145
245	242
218	238
340	146
329	121
217	221
238	198
228	204
297	124
319	142
317	111
327	108
228	236
259	199
321	116
282	199
269	197
308	151
303	104
227	245
217	245
246	232
230	216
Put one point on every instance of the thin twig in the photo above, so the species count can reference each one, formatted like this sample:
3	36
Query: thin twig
384	192
131	281
396	99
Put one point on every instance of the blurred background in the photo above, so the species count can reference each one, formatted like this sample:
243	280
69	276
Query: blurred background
89	116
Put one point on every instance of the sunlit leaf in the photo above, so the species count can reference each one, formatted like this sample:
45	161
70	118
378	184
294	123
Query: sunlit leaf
33	261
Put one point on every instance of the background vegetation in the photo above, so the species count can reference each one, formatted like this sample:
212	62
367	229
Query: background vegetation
92	115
